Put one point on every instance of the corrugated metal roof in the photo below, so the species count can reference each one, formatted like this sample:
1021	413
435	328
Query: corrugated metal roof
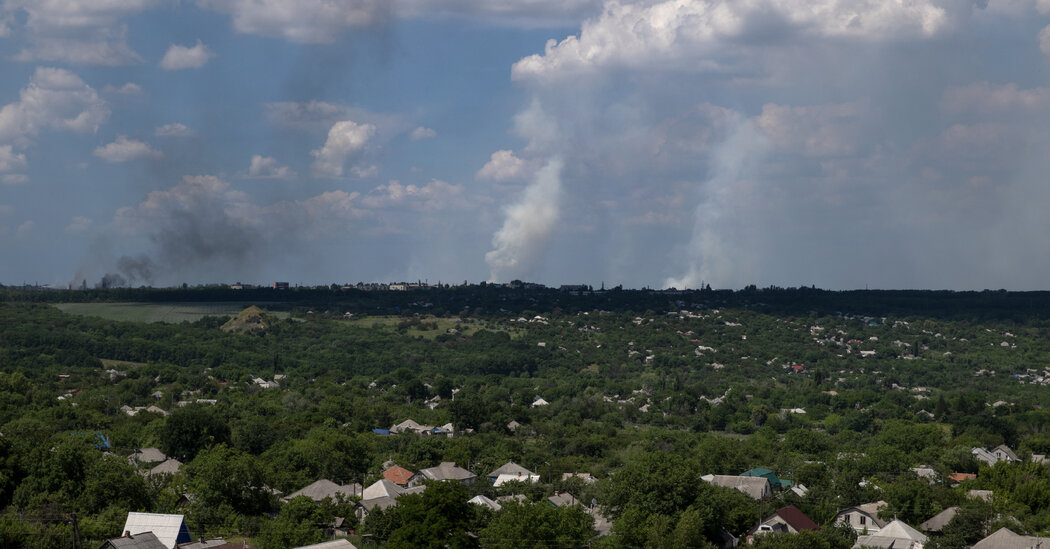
323	488
382	488
898	529
1004	538
334	544
511	468
171	530
447	470
485	502
940	520
169	467
149	455
144	540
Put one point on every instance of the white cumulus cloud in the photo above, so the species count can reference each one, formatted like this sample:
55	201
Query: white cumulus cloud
186	57
75	31
125	150
435	195
503	166
345	138
687	33
267	167
54	99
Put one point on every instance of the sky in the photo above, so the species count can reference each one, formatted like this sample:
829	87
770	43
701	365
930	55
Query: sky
645	143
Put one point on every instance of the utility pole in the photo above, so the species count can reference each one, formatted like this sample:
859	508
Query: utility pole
76	531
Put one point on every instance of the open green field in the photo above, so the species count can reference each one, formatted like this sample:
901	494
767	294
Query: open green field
157	312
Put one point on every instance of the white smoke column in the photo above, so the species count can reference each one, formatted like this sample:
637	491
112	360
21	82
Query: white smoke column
527	228
709	255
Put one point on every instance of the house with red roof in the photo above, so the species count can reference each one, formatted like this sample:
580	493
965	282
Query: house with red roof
398	475
788	519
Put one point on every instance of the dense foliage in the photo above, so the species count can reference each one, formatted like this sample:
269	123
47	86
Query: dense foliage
646	391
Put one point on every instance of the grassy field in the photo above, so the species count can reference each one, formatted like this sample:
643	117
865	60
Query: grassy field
157	312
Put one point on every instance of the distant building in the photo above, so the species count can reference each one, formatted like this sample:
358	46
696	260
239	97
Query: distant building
280	285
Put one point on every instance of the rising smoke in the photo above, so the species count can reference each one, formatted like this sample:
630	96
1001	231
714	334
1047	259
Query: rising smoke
199	222
712	251
526	231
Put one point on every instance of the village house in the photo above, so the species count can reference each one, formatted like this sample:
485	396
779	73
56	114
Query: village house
511	472
169	466
485	502
398	475
147	455
563	499
756	487
862	518
1004	538
774	482
145	540
447	470
937	522
896	535
324	488
788	519
1001	452
382	494
170	530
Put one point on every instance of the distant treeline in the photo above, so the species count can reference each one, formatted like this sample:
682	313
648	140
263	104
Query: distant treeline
975	306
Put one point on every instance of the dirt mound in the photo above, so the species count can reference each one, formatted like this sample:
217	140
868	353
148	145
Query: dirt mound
250	320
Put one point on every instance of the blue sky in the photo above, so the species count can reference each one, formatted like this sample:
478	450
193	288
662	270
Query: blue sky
653	143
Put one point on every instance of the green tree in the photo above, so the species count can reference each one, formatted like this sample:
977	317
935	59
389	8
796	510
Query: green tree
537	525
437	518
225	481
191	429
300	522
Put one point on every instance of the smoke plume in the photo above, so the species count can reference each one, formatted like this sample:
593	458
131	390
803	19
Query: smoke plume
712	249
527	228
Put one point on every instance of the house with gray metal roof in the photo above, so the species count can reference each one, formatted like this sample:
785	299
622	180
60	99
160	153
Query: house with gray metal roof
171	530
1004	538
145	540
